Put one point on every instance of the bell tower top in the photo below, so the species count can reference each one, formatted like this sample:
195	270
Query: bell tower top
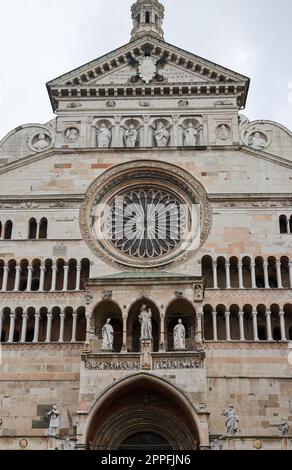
147	17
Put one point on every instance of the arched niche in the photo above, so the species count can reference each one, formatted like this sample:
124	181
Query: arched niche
134	326
108	309
180	309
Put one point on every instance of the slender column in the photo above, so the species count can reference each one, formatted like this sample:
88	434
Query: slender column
11	327
162	330
241	325
253	275
199	326
54	277
215	330
36	327
42	277
227	269
74	326
288	225
240	275
125	319
279	275
78	277
29	278
88	325
62	326
290	273
49	327
24	327
215	276
255	325
282	325
66	273
269	324
1	323
17	278
266	274
5	279
227	324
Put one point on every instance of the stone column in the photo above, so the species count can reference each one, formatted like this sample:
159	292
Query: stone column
215	276
227	324
42	277
78	277
74	326
253	275
255	325
24	327
54	277
266	274
279	275
17	278
66	274
88	327
290	273
11	327
146	132
241	325
227	269
36	327
49	327
1	324
240	275
215	331
62	326
199	326
282	325
5	279
125	319
29	278
269	324
288	225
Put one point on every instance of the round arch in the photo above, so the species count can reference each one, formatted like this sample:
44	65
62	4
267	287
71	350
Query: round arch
109	309
180	308
145	404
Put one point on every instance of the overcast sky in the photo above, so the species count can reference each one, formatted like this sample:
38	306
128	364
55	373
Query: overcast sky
42	39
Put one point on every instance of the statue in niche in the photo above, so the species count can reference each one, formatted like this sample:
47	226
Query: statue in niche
216	445
223	132
72	134
232	421
104	136
145	318
54	426
42	143
161	135
190	136
131	136
284	427
258	141
179	337
107	337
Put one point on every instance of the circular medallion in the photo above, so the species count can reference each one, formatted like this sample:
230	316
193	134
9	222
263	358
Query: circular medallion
145	215
23	443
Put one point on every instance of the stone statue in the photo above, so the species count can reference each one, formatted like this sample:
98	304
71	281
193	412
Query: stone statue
145	318
284	427
231	421
54	426
190	136
216	445
72	134
179	337
42	143
161	135
257	141
131	136
107	337
104	136
223	132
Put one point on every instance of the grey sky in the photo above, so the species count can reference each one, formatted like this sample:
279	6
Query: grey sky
42	39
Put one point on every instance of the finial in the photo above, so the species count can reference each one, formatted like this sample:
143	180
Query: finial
147	16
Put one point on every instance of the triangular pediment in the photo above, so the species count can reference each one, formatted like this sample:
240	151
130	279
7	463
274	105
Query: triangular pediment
121	67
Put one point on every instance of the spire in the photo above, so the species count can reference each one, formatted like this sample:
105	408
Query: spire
147	17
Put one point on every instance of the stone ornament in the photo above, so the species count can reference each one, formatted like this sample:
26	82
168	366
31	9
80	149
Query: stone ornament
40	141
95	364
54	426
223	132
232	421
107	337
71	134
258	140
144	104
178	364
131	136
183	104
104	136
88	297
161	135
107	295
284	427
190	136
199	293
147	69
145	319
111	104
258	444
23	443
179	336
216	445
74	105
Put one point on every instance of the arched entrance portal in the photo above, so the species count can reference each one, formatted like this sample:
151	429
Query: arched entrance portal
134	326
143	412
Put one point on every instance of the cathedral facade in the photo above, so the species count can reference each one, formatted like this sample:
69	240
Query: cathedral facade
146	260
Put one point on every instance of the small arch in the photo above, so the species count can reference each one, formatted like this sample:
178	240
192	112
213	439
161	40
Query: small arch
8	230
134	326
32	229
246	272
234	274
81	325
208	323
259	270
285	275
221	272
262	323
234	323
184	310
273	281
107	309
147	17
207	271
248	322
85	272
221	322
43	230
283	223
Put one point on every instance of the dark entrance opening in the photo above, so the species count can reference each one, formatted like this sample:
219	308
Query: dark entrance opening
145	441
